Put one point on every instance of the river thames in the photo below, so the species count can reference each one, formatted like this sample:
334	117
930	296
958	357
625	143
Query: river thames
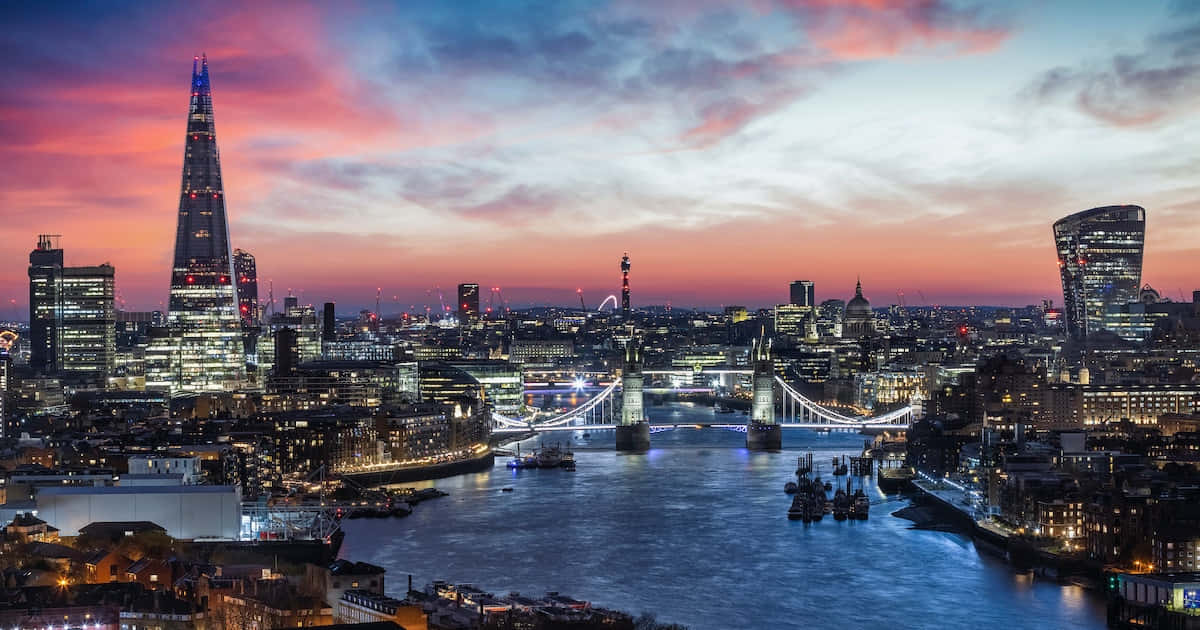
695	531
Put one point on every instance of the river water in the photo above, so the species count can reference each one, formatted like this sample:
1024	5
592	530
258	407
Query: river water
696	532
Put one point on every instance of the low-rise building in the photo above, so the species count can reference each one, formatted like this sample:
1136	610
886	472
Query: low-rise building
187	466
360	606
185	512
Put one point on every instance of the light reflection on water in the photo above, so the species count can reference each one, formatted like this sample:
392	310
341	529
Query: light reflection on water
696	531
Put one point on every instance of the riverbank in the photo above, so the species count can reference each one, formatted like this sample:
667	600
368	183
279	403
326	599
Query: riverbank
664	512
928	519
424	473
940	511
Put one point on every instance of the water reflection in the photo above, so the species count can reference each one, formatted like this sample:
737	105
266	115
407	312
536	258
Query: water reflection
695	530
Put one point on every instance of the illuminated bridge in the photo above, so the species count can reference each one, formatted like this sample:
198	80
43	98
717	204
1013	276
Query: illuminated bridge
607	410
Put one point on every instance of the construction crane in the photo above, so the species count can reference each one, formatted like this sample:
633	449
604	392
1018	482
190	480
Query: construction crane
582	306
496	302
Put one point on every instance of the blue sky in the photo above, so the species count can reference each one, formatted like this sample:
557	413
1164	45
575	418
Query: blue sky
925	145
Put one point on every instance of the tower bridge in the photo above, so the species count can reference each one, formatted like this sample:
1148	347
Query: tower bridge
763	428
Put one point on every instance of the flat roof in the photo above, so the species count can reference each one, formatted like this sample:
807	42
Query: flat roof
56	490
1087	214
1188	577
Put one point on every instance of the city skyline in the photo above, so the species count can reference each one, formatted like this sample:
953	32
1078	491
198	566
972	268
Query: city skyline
779	161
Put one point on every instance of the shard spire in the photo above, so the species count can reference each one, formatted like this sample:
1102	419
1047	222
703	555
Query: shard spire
203	314
203	231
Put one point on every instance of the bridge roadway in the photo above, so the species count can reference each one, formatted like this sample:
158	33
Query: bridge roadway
700	425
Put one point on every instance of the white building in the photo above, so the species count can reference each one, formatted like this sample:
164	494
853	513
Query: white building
186	512
189	467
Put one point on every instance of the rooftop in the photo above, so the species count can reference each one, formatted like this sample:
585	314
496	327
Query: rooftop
1189	577
55	490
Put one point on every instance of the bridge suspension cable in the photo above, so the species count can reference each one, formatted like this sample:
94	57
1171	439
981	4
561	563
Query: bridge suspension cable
599	399
898	417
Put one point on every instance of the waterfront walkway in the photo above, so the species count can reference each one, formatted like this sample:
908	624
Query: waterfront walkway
964	501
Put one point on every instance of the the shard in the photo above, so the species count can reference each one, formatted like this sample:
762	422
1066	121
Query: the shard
203	319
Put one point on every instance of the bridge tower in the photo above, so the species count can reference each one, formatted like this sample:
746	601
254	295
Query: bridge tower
763	433
633	431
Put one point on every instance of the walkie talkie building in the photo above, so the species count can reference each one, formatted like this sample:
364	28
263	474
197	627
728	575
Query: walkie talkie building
1100	261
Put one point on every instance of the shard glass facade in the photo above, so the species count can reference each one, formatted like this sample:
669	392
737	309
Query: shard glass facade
1100	261
203	319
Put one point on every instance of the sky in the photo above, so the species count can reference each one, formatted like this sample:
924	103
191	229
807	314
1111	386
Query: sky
925	146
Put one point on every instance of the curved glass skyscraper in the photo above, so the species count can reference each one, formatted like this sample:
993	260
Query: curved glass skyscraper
1100	261
203	316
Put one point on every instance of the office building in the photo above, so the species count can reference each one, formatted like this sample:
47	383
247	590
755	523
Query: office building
503	382
803	293
791	321
1100	262
5	370
45	282
72	316
87	326
133	327
203	318
829	318
287	351
625	285
247	287
468	302
328	324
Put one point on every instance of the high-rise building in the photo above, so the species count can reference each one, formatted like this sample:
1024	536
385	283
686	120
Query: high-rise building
468	302
328	324
5	368
287	351
45	303
803	293
247	287
791	321
625	285
203	318
88	325
72	315
1100	261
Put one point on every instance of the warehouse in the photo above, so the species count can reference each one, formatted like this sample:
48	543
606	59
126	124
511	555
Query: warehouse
186	512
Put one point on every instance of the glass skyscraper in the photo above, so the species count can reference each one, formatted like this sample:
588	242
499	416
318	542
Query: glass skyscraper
88	328
1100	261
72	316
45	303
802	293
468	302
247	287
203	319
